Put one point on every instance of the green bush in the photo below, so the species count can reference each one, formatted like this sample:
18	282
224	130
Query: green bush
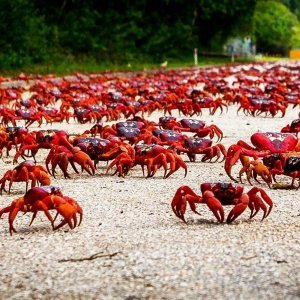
273	24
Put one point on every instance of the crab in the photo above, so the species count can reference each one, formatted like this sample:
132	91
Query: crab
201	129
256	105
11	136
264	144
45	198
84	115
25	171
124	161
155	156
55	115
63	153
284	164
95	129
217	195
191	125
168	137
129	130
293	127
196	145
30	116
8	116
208	102
274	164
93	146
42	139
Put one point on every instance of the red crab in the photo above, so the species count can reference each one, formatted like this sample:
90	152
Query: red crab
114	149
54	114
25	171
265	144
156	156
123	161
201	129
65	153
93	146
11	136
284	164
256	168
293	127
45	198
274	164
8	116
196	145
208	102
84	115
168	137
256	105
42	139
28	103
96	129
191	125
30	116
217	195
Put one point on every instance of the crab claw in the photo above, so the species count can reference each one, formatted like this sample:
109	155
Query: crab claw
153	164
214	205
123	163
254	168
13	209
175	163
258	202
184	195
215	130
233	154
67	208
83	160
238	208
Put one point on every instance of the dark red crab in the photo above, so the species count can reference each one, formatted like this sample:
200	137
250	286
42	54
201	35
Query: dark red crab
293	127
284	164
198	127
217	195
201	146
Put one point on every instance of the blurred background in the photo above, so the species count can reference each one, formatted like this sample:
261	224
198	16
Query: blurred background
91	34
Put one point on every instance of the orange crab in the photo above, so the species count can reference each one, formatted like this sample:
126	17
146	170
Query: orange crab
25	171
156	156
65	153
45	198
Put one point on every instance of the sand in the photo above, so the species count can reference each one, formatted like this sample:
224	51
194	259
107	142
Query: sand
145	252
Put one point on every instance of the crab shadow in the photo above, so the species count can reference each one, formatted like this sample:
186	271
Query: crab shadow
29	230
211	222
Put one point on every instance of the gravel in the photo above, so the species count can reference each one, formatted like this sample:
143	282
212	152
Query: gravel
145	252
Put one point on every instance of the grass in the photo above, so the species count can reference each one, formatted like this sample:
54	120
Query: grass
65	67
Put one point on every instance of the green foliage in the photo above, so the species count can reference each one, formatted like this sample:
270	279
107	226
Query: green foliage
23	37
293	5
295	40
116	31
274	25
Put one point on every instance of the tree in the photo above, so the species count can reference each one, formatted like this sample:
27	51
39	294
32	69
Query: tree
23	38
295	41
273	23
117	30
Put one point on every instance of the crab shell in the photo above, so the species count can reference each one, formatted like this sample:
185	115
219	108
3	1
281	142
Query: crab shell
275	142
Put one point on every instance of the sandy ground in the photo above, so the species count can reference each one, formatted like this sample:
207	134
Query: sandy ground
154	255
